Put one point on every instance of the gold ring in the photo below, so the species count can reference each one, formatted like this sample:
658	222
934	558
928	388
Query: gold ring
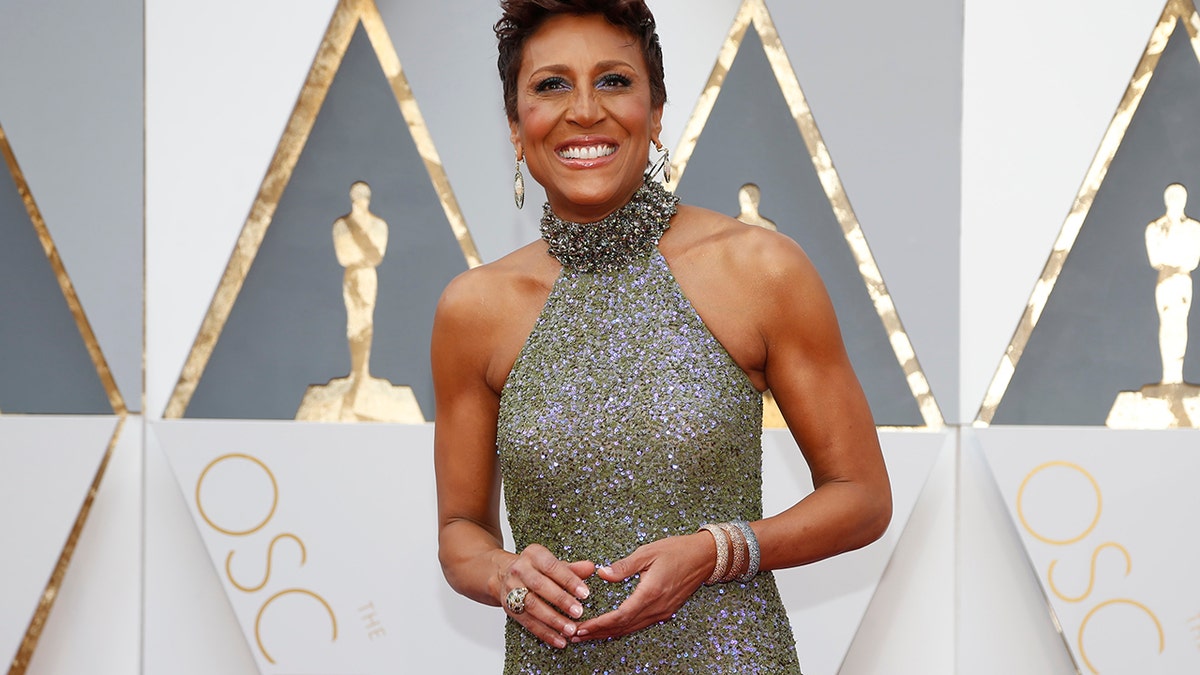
515	600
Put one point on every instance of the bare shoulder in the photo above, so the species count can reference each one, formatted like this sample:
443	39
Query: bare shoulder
491	291
486	313
744	254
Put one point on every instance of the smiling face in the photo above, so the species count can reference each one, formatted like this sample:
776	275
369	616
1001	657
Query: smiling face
585	120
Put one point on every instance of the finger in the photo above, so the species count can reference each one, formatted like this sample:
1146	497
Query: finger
583	569
532	618
557	583
550	616
554	597
570	576
627	617
537	559
624	568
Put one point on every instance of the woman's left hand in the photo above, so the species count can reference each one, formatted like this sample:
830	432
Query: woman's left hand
670	571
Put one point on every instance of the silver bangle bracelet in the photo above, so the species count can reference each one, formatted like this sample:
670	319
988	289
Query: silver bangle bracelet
752	544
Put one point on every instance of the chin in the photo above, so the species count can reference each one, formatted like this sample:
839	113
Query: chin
598	192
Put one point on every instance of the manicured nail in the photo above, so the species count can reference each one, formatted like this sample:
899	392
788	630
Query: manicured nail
569	629
581	633
560	642
606	569
576	611
582	592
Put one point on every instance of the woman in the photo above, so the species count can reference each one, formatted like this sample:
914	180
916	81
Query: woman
611	375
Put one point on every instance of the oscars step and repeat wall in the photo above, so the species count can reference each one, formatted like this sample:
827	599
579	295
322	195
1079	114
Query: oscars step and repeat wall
224	227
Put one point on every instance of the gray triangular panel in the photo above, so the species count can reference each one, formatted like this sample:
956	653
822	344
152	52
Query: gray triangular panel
287	329
751	137
1098	334
44	364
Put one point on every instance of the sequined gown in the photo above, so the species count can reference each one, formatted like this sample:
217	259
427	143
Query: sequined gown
624	421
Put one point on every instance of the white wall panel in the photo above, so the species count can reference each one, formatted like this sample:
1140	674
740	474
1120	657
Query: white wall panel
909	628
70	102
1004	620
221	80
95	626
189	626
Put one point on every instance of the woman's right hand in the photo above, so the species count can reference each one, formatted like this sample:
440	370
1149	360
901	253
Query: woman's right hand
555	590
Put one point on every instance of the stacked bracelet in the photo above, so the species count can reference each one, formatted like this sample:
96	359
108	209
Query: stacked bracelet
737	540
737	543
722	566
752	550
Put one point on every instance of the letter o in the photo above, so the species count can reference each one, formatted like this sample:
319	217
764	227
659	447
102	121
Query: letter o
274	494
1050	540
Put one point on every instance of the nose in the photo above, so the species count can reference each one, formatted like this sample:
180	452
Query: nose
584	109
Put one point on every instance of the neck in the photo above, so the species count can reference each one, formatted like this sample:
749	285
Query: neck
613	241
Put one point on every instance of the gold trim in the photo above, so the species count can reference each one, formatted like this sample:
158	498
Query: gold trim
346	17
64	281
36	624
1175	11
755	11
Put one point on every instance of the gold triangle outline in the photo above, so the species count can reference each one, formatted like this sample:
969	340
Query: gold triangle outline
115	400
755	12
37	623
1175	11
346	17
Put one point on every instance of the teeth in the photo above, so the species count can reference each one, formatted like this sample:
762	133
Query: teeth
587	152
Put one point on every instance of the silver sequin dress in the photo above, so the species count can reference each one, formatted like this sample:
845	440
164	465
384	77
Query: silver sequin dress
624	421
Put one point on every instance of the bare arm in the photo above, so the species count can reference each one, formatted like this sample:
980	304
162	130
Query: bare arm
810	375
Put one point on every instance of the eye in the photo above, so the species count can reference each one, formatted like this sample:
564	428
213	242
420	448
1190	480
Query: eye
613	81
553	83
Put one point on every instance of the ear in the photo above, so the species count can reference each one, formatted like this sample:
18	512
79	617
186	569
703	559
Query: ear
514	136
656	122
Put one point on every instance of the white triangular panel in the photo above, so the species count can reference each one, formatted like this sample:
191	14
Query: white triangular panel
1108	521
47	465
96	625
999	601
909	625
826	600
189	626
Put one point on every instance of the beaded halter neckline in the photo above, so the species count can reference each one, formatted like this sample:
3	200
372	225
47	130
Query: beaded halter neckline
614	241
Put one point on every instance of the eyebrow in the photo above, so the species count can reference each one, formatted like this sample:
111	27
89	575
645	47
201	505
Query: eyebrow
559	68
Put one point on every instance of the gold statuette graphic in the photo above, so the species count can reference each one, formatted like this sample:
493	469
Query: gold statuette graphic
1173	247
749	197
360	241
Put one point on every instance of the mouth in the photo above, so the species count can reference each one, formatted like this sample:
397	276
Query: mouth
586	151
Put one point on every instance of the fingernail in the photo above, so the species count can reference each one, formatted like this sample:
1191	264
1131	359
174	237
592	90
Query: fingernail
581	633
582	592
560	642
569	629
576	611
606	569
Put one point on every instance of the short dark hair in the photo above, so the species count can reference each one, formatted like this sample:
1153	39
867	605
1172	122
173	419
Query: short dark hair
522	18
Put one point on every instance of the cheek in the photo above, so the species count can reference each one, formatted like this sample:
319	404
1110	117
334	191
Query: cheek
536	121
634	116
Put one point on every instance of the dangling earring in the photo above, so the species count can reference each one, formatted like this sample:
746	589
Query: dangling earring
519	186
663	162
